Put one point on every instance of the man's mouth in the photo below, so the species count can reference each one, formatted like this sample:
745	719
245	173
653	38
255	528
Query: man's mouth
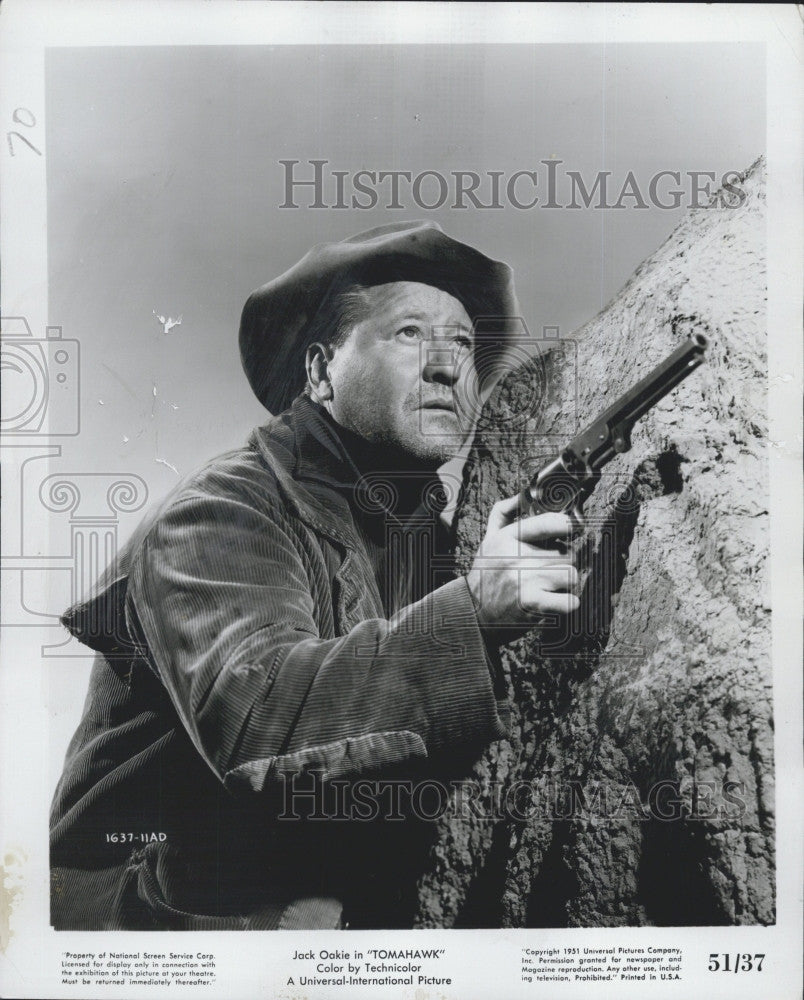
439	404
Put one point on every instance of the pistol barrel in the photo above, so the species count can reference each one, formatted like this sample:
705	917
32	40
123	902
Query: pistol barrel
565	483
610	433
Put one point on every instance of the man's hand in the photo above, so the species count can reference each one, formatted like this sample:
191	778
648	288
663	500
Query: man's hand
522	569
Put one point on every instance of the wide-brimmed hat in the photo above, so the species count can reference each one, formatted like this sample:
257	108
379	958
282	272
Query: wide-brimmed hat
282	318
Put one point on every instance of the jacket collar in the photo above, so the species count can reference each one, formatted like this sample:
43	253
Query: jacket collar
312	469
318	475
320	454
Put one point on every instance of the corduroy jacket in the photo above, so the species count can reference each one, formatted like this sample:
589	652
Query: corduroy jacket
241	641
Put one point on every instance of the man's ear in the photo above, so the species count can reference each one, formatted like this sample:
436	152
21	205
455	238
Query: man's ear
316	362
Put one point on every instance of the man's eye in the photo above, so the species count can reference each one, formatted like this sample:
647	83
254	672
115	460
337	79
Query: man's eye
464	342
409	333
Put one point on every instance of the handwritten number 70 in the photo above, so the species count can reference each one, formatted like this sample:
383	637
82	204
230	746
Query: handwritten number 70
24	117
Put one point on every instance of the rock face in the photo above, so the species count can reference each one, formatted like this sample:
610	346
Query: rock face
637	784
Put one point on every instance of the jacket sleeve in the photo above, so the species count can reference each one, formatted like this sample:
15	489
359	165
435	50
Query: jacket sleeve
223	599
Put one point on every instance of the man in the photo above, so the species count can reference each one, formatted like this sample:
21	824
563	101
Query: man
261	625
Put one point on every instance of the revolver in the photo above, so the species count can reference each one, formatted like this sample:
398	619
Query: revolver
564	484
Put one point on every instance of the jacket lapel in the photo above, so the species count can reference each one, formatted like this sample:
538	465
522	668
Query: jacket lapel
311	479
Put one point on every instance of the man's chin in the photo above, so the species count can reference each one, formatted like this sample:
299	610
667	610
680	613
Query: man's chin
431	441
440	434
435	450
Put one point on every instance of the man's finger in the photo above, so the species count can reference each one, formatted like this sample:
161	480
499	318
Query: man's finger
552	602
553	578
537	557
505	511
541	527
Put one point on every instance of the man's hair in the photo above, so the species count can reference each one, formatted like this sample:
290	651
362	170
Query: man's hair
336	317
341	313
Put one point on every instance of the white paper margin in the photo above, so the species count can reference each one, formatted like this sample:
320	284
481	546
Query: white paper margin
482	964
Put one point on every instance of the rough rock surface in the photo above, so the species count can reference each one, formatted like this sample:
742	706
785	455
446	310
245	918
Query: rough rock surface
640	760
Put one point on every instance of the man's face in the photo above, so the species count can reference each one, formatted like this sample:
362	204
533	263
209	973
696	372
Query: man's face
405	374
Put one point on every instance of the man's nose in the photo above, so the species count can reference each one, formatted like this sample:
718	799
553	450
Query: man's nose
440	363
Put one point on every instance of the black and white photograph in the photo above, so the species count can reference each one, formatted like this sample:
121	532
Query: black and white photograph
402	512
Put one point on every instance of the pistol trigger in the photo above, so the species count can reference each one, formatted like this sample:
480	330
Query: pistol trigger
621	438
575	514
526	502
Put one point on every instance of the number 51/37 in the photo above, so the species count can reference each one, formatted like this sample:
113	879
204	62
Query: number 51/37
738	962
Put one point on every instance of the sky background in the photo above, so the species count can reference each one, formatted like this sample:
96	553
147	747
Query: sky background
164	186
